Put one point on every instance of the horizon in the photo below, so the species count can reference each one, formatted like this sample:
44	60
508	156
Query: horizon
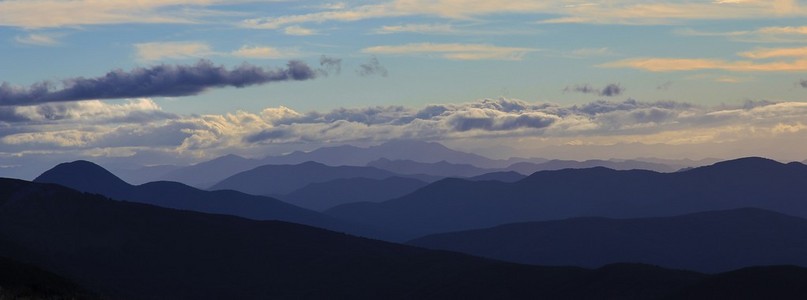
183	82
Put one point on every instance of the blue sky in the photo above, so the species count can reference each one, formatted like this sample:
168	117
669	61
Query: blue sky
744	58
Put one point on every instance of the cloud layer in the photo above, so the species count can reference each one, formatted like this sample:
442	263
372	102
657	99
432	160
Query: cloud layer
162	80
138	126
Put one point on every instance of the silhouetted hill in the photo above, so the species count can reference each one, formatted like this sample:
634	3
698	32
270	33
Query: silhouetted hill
284	179
24	281
89	177
455	204
509	176
528	168
441	168
206	174
419	151
131	250
764	282
323	195
708	242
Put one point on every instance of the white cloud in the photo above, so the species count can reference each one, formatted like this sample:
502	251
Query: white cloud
454	51
156	51
299	30
264	52
417	28
57	13
38	39
136	126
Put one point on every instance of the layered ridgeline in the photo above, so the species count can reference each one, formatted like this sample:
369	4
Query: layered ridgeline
456	204
136	251
89	177
320	196
284	179
715	241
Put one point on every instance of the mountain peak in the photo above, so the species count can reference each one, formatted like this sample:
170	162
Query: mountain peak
82	175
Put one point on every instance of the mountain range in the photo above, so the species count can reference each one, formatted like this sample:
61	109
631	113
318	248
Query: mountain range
715	241
457	204
88	177
320	196
129	250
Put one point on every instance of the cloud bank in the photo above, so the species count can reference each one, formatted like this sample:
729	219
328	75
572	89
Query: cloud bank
141	126
157	81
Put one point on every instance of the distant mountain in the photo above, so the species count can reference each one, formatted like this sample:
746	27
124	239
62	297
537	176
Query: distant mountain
419	151
284	179
89	177
130	250
456	204
24	281
144	174
324	195
441	168
707	242
528	168
509	176
206	174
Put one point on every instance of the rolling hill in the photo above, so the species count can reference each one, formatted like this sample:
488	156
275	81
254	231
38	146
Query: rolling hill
89	177
715	241
324	195
456	204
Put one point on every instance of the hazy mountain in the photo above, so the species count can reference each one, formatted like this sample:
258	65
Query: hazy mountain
419	151
708	242
284	179
508	176
24	281
456	204
441	168
144	174
528	168
206	174
89	177
323	195
132	250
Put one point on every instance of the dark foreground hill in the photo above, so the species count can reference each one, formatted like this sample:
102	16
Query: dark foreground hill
456	204
708	242
131	250
24	281
89	177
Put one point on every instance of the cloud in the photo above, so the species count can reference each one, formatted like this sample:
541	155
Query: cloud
37	39
372	67
803	83
55	13
694	64
174	50
417	28
771	34
631	12
330	65
137	127
609	90
161	80
298	30
454	51
263	52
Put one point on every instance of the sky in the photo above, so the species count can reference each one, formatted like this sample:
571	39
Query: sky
180	81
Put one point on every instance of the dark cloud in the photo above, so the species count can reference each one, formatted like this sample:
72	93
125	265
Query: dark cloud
269	134
611	90
330	64
372	67
608	91
161	80
664	86
803	83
